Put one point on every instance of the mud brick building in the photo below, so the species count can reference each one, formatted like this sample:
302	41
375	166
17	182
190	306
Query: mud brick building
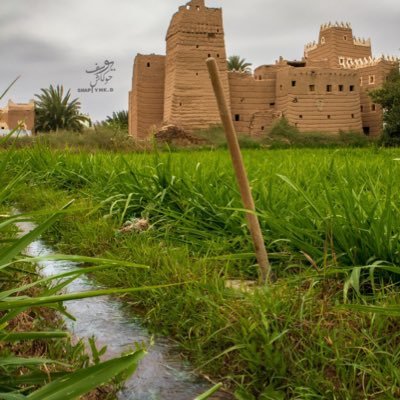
327	91
14	115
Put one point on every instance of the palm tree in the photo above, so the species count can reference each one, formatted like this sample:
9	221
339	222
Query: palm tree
235	63
54	111
118	120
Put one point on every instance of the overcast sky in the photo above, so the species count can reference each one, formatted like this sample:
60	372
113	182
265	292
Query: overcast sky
56	41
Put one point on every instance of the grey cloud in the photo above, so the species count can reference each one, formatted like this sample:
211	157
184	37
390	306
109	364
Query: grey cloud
29	50
52	41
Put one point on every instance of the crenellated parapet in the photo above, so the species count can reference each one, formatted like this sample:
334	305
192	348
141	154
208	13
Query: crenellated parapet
309	47
362	41
329	25
370	61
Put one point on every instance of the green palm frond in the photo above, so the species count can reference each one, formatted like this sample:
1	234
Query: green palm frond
55	111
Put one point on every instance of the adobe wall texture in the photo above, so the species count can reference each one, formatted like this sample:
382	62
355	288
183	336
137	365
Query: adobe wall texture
372	76
327	91
195	34
15	114
337	45
323	100
252	103
146	100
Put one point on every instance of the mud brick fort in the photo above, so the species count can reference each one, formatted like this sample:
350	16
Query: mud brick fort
327	91
18	115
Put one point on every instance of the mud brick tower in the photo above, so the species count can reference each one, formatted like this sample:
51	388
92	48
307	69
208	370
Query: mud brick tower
195	33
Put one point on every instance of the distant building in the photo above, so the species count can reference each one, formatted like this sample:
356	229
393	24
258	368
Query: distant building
327	91
17	115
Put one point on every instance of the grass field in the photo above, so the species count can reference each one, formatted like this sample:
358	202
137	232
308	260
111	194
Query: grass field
328	328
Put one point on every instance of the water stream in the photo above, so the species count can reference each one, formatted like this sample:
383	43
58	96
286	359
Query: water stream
161	374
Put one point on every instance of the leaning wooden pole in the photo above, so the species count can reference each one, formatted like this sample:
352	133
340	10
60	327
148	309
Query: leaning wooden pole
240	171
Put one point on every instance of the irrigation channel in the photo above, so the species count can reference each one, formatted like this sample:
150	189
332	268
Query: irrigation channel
162	374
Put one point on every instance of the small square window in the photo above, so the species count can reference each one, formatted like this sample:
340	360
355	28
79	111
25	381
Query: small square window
312	88
329	88
351	88
373	107
237	117
371	79
352	116
328	116
300	116
341	88
293	83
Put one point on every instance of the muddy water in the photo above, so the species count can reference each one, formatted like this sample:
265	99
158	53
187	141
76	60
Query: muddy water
160	375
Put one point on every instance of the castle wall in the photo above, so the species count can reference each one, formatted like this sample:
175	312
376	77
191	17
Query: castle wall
323	100
147	96
337	45
371	78
15	114
252	102
327	91
195	33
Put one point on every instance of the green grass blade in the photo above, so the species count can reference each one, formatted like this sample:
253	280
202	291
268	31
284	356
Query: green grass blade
24	301
209	393
80	382
16	337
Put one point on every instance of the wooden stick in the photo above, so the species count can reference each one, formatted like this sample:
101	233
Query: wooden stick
240	171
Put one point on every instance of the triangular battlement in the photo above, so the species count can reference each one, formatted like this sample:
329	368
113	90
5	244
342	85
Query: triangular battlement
329	25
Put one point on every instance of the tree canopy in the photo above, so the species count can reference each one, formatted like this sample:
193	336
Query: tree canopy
388	96
118	120
235	63
54	111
